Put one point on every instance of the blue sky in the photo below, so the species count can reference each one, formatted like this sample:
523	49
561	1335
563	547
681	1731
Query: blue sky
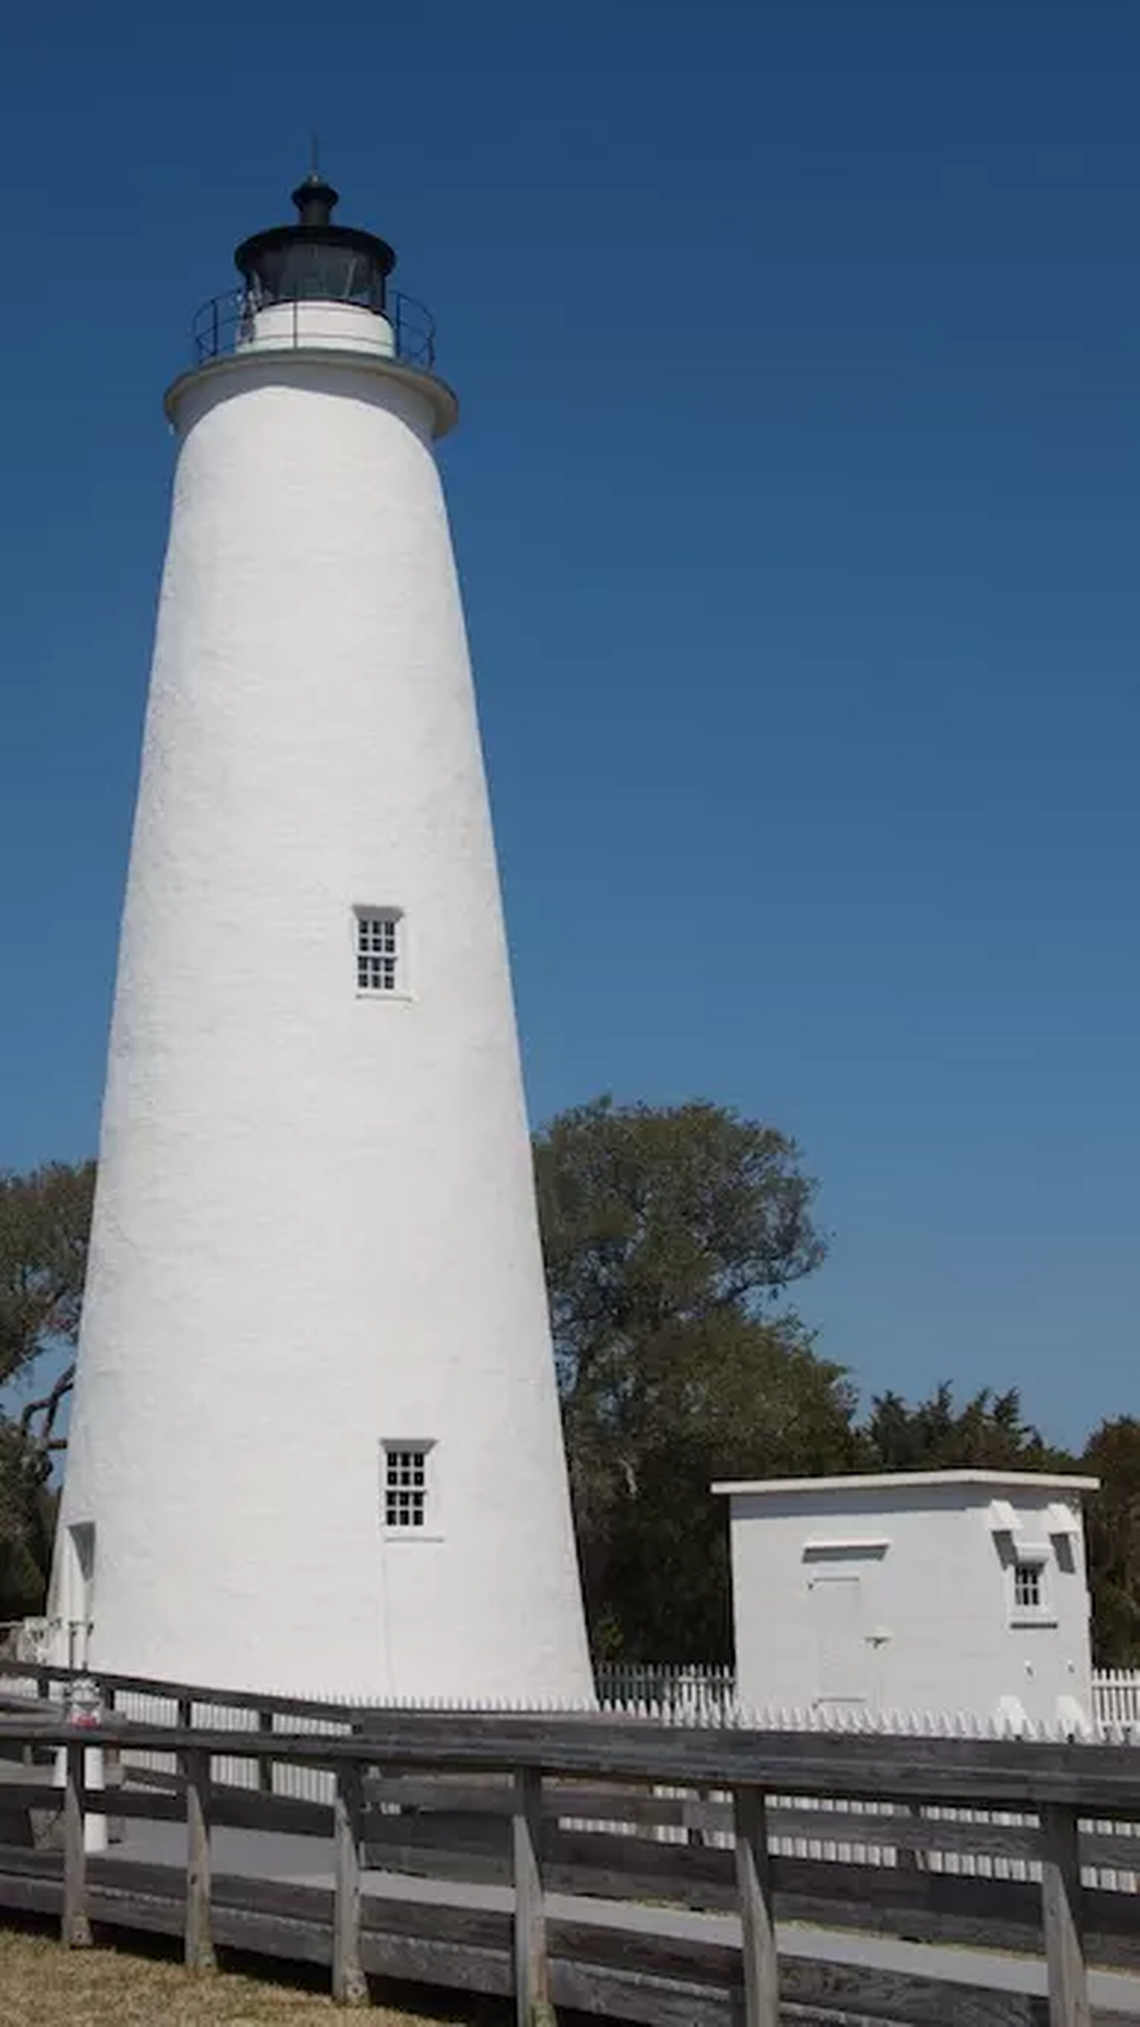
797	506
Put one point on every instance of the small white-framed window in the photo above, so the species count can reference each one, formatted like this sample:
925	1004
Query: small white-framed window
1028	1586
407	1488
379	952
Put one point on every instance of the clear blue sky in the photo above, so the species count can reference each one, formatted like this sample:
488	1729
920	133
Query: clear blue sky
796	500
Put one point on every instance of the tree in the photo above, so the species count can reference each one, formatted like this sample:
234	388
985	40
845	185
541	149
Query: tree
989	1432
27	1522
1112	1532
45	1220
670	1235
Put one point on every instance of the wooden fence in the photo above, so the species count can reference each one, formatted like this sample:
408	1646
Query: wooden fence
518	1812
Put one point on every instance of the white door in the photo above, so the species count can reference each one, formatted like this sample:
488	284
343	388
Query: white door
842	1654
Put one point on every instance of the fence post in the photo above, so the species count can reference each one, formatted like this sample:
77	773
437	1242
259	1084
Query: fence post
112	1771
1061	1910
76	1928
199	1945
532	1967
265	1764
350	1987
758	1927
910	1858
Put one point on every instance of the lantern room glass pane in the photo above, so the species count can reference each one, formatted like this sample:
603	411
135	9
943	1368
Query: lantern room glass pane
318	271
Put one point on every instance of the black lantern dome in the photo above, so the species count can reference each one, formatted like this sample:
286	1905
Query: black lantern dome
315	260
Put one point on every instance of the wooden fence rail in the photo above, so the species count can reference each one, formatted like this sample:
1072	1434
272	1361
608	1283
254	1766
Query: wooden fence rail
548	1807
537	1807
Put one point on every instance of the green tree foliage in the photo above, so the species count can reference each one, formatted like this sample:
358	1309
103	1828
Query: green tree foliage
44	1222
27	1522
989	1432
1112	1532
671	1234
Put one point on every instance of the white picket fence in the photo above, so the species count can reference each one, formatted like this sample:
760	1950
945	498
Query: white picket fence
691	1695
685	1697
669	1693
1116	1698
665	1695
708	1694
701	1693
672	1692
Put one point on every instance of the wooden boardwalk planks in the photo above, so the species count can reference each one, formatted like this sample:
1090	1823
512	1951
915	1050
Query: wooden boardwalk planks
505	1800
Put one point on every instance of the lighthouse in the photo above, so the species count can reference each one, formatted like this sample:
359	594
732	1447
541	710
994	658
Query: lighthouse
315	1443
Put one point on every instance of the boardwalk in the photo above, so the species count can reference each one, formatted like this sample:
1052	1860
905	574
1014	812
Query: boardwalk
630	1869
309	1861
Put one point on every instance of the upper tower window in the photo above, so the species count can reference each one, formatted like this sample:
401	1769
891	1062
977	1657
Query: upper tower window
379	958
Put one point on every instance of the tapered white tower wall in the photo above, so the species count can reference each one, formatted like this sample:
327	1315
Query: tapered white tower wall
315	1243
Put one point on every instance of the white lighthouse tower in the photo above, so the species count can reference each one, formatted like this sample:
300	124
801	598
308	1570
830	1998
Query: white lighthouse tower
315	1442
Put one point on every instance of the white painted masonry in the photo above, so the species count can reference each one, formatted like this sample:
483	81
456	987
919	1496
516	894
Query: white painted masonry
899	1591
315	1230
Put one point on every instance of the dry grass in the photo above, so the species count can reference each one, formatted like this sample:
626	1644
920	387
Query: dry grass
43	1985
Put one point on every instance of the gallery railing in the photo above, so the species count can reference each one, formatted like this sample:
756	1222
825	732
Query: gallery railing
225	324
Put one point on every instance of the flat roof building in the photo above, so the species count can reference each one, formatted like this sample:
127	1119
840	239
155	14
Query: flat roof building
950	1591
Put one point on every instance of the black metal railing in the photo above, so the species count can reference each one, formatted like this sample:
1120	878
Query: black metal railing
225	324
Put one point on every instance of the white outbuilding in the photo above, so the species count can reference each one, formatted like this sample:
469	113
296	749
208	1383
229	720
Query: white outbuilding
932	1591
315	1444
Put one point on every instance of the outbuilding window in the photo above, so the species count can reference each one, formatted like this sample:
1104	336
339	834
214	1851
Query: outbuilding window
1029	1586
379	955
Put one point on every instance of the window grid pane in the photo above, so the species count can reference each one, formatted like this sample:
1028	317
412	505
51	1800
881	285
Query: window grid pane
1027	1586
405	1488
377	953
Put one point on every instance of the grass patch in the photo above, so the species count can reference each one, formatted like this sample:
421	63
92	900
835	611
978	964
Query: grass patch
44	1985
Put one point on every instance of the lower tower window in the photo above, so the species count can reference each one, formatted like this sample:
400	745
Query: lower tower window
379	956
406	1487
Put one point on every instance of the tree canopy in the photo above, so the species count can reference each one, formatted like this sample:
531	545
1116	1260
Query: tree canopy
670	1235
45	1218
1112	1454
44	1221
989	1432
